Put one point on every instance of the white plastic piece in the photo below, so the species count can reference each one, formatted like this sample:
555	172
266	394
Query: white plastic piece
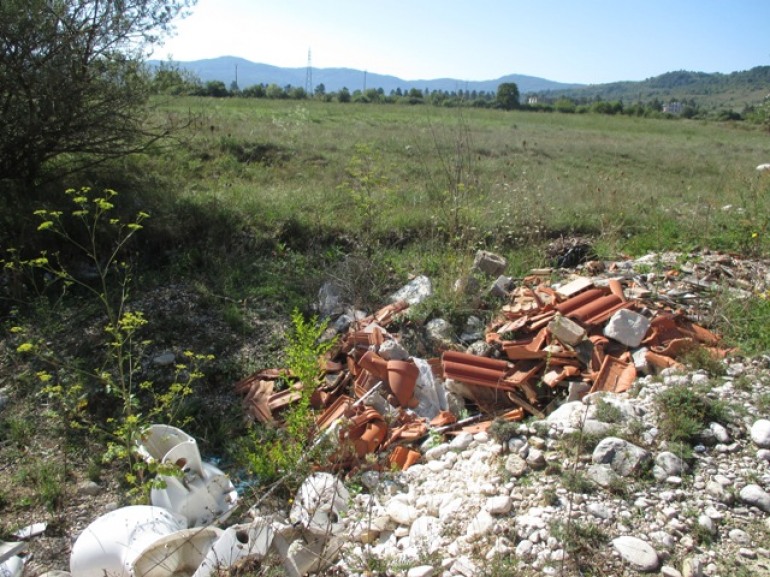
8	550
12	567
31	531
201	499
203	493
180	553
111	543
320	503
236	542
429	391
167	444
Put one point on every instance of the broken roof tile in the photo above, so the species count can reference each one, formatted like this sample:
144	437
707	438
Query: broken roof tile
615	376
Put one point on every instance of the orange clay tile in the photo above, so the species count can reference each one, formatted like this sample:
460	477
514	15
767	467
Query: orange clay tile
336	410
367	431
513	326
697	332
660	361
594	308
525	405
386	313
675	347
516	414
554	376
443	419
256	401
615	376
410	431
375	364
284	398
402	457
542	321
435	367
518	350
475	360
605	315
663	328
616	288
580	300
597	356
472	374
523	371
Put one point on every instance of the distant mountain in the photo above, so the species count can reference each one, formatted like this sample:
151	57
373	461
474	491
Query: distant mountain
251	73
709	90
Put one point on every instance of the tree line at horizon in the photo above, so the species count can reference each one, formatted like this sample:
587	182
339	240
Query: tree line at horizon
171	80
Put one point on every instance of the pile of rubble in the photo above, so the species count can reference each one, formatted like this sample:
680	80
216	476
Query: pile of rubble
549	343
552	351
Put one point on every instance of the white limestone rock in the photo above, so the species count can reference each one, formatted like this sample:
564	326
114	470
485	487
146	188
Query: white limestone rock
760	433
625	458
637	553
756	496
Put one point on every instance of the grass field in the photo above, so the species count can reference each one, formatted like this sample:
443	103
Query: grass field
343	178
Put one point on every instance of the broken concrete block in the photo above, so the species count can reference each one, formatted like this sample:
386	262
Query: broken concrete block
391	350
640	361
468	285
489	263
440	331
627	327
414	292
566	330
330	299
574	287
501	287
474	329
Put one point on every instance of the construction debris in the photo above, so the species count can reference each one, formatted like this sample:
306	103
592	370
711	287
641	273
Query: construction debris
549	343
549	346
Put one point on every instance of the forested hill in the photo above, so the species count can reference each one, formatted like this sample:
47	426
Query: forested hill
710	90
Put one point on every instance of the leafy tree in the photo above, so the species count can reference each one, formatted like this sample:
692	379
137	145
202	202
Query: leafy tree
254	91
72	82
564	105
169	78
508	96
215	88
344	95
275	91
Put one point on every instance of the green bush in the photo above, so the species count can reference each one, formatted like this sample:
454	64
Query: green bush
685	411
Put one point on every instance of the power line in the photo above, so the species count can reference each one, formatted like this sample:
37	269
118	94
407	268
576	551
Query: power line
309	75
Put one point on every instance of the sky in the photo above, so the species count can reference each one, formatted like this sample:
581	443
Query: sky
575	41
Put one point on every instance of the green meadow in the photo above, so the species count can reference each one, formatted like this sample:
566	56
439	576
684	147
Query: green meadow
417	187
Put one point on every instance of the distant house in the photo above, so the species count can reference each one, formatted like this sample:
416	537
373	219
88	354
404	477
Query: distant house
532	99
673	108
